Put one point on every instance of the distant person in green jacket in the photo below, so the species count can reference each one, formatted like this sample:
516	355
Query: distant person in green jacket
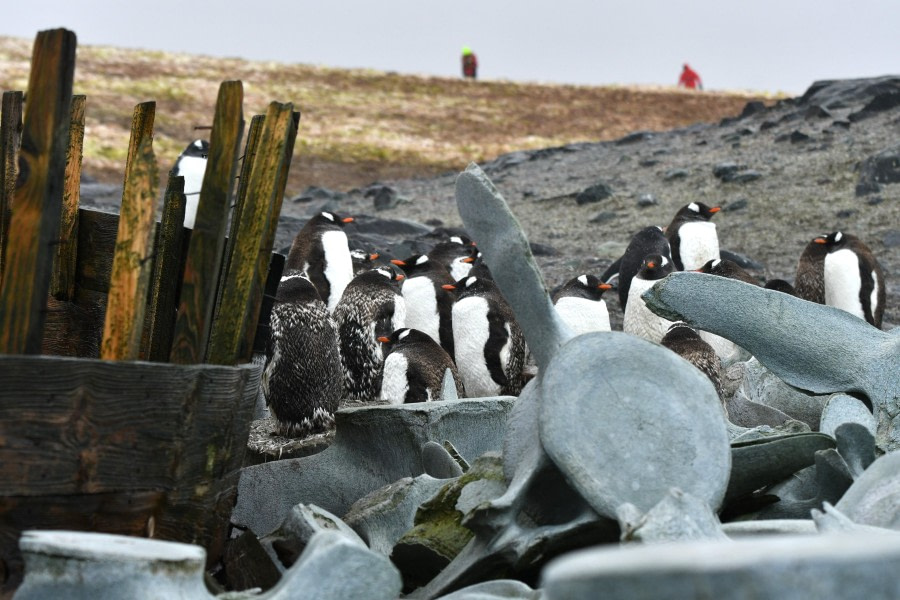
469	63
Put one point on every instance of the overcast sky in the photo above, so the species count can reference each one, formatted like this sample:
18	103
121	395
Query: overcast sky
762	45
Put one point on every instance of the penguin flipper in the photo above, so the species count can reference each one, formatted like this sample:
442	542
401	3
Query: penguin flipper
506	251
498	337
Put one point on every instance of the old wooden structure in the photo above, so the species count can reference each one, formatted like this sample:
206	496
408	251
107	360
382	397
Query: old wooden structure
126	388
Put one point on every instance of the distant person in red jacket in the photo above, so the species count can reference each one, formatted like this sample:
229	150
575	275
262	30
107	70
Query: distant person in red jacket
690	79
469	63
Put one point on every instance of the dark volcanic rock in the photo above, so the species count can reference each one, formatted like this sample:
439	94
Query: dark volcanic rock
597	192
883	167
879	103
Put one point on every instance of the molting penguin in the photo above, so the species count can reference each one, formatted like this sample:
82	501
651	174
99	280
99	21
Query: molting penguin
780	285
429	304
489	344
362	260
693	237
414	367
854	281
321	250
302	377
371	307
809	282
191	165
579	303
687	343
456	255
649	240
640	320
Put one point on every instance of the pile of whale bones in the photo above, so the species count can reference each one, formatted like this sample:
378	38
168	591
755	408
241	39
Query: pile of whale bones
624	482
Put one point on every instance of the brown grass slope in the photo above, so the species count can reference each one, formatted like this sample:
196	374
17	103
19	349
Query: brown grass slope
357	126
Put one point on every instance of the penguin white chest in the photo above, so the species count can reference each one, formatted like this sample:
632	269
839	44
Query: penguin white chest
459	269
640	320
395	382
698	243
338	265
843	282
583	315
192	168
421	306
470	336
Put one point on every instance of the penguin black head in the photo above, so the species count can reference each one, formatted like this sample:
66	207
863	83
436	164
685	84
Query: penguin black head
403	337
363	260
837	240
679	331
386	275
295	286
780	285
417	264
655	266
583	286
727	268
196	149
696	211
327	219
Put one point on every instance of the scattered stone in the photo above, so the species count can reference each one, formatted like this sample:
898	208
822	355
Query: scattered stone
795	137
597	192
874	200
649	162
880	168
603	217
739	204
753	107
891	238
646	200
633	138
816	112
766	125
673	174
845	213
880	103
318	194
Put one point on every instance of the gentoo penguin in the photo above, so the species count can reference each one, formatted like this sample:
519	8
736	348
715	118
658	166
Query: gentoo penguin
839	270
192	166
854	281
687	343
429	305
728	268
649	240
456	255
579	302
414	367
321	251
693	237
639	320
780	285
371	307
362	260
302	377
489	344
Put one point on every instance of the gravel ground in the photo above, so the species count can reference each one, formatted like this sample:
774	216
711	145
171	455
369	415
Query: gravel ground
798	167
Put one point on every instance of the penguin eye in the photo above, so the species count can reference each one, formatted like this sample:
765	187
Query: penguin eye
328	216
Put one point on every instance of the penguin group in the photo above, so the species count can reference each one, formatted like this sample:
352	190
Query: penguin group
427	327
353	326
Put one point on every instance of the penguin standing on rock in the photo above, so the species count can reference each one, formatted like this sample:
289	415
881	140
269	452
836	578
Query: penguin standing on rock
489	344
649	240
371	307
693	237
840	270
429	305
687	343
579	302
414	367
640	320
302	377
321	251
191	165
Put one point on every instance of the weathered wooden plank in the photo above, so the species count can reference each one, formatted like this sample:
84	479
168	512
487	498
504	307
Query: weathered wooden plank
62	284
34	225
10	138
166	274
237	313
201	272
130	278
261	287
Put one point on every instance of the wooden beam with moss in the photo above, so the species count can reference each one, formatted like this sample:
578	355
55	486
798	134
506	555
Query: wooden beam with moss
62	286
10	138
37	198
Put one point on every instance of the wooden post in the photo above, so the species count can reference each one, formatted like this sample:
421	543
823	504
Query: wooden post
166	274
129	280
10	138
201	271
250	258
34	226
62	286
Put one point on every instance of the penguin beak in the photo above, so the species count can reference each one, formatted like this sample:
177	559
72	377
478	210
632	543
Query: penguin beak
400	277
373	256
347	220
398	262
604	286
819	240
448	286
651	265
715	209
469	259
384	340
